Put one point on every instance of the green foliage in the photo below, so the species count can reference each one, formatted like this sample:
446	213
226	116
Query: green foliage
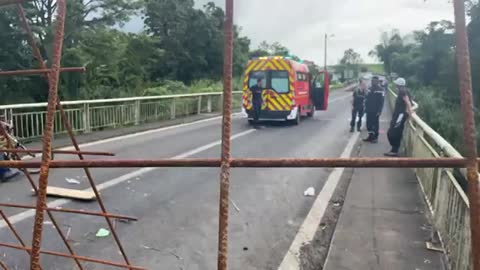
426	59
181	51
350	63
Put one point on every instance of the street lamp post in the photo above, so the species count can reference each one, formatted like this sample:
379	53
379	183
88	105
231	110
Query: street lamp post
326	41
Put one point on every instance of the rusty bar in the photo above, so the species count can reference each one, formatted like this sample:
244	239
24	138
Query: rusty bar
39	58
73	211
81	258
47	139
465	83
68	127
4	267
62	152
39	71
14	231
222	258
252	163
35	189
10	145
30	39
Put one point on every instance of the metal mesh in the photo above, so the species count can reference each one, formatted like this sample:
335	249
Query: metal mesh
225	162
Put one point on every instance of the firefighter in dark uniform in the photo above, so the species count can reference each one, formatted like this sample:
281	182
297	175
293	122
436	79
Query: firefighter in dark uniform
358	105
257	101
403	109
373	107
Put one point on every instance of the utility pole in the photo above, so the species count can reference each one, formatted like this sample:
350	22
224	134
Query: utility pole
326	37
326	48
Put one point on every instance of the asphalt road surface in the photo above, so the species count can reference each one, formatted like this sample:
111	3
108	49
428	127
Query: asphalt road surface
178	208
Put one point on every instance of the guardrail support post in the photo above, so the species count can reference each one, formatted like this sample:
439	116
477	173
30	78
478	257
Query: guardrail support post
220	103
86	118
137	112
173	108
199	109
209	104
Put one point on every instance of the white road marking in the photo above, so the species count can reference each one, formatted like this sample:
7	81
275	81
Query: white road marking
113	182
133	135
307	231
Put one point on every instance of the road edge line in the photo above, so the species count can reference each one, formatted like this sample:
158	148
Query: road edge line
120	179
310	225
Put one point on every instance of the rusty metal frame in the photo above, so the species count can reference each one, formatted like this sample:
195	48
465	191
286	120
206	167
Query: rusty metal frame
226	161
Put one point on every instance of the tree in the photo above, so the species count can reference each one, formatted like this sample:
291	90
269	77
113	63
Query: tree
350	63
390	43
274	49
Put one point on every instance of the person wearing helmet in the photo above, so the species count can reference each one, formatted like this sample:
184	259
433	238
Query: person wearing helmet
358	104
373	107
403	108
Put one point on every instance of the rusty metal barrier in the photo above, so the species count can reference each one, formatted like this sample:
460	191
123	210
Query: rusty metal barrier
226	162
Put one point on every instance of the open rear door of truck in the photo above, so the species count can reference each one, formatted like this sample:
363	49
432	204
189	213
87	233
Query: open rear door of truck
320	90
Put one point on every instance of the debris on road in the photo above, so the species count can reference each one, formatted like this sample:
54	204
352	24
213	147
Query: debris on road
68	232
235	205
72	181
102	233
310	192
83	195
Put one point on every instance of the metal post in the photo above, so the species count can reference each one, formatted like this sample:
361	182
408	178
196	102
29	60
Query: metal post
173	108
226	133
86	118
199	108
209	104
137	112
465	83
220	103
48	133
326	37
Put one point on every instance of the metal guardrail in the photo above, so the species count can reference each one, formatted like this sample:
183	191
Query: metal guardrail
446	199
91	115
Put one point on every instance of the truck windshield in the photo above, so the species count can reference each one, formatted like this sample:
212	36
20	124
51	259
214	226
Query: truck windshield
276	80
279	81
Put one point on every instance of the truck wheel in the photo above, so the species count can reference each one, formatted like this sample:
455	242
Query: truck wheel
299	118
312	113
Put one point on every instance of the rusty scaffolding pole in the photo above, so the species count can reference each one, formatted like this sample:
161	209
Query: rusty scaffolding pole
225	162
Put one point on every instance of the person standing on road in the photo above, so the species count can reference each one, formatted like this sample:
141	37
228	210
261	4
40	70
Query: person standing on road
358	105
257	101
403	109
373	107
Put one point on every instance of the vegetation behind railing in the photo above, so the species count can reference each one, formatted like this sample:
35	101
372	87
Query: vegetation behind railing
91	115
446	199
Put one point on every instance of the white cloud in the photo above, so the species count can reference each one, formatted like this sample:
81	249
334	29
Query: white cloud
301	24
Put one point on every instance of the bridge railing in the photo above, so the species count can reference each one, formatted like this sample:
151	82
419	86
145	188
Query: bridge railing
91	115
446	199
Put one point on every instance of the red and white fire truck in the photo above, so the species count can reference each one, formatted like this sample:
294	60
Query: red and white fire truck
291	90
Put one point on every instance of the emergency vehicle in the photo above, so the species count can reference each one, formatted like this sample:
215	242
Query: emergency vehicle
290	91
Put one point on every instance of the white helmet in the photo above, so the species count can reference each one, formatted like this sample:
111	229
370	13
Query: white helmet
400	82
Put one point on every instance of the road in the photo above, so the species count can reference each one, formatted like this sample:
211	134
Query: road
178	208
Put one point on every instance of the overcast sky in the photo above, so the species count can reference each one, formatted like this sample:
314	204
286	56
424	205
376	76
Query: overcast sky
301	25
